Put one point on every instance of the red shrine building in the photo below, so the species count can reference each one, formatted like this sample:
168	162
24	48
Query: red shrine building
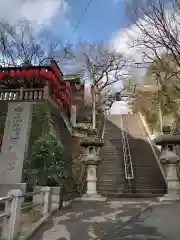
38	78
21	89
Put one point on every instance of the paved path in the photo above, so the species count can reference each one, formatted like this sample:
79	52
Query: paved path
89	220
158	223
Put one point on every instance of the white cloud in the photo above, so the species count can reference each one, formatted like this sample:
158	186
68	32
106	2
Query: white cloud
124	40
38	12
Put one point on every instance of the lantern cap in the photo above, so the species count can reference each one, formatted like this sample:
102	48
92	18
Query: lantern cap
92	142
168	157
167	139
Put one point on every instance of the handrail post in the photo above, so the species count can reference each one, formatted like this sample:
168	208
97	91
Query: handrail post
47	199
46	91
21	93
11	225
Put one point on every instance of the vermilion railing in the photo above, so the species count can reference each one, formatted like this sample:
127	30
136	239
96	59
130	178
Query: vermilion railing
14	78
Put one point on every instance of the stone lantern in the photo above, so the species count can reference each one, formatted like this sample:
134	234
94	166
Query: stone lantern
169	159
92	160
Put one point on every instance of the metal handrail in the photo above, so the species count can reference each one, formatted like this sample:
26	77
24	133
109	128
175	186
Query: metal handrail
30	194
128	167
4	199
4	215
102	130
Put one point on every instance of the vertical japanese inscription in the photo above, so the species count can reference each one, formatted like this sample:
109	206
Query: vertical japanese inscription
14	137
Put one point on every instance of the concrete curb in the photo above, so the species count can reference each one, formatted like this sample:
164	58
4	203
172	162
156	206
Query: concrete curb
36	226
122	225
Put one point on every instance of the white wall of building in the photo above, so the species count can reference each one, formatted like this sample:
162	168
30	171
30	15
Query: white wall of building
120	107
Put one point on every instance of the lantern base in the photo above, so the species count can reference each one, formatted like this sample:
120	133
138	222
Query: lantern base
169	197
93	197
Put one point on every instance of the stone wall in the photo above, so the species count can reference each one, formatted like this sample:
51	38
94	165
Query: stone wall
66	140
5	188
78	99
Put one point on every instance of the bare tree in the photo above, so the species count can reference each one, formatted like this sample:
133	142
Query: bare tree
20	44
159	26
159	40
104	68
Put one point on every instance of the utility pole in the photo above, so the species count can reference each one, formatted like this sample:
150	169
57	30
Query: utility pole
160	117
93	92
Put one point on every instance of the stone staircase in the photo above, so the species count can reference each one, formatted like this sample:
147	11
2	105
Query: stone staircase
111	171
148	181
148	177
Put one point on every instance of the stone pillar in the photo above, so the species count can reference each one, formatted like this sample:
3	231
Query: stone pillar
91	179
92	161
46	191
170	159
15	141
11	225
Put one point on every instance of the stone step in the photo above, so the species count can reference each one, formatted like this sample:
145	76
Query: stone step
107	182
108	165
142	179
123	195
146	190
107	186
147	174
149	185
112	180
107	177
150	192
107	189
110	151
111	155
109	159
116	152
110	172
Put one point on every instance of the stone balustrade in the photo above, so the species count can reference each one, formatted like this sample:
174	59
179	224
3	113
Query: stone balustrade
47	198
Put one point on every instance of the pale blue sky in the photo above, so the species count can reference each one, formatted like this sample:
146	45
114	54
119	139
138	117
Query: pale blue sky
102	20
